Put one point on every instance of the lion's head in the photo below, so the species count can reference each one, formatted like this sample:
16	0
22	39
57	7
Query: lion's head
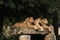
45	21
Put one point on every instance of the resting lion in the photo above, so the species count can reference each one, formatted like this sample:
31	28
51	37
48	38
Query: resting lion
37	24
44	22
24	24
41	23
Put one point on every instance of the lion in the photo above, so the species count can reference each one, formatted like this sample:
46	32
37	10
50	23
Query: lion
24	24
37	24
44	22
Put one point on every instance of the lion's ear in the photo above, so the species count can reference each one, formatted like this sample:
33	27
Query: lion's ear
27	19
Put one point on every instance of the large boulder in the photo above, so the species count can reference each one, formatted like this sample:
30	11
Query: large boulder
31	31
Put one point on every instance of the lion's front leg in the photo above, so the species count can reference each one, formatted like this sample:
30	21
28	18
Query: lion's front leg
39	27
49	28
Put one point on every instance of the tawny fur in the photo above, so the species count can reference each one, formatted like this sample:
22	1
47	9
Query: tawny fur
28	23
24	24
37	21
44	22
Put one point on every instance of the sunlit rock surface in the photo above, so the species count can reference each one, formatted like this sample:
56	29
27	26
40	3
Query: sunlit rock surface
50	37
24	37
31	31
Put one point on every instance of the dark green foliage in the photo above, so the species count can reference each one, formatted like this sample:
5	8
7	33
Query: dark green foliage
24	7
